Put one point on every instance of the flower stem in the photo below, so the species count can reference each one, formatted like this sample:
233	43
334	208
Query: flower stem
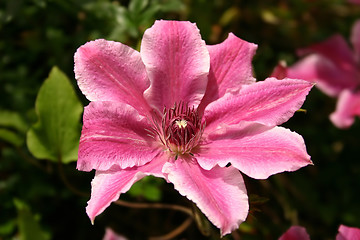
175	232
66	181
155	205
31	160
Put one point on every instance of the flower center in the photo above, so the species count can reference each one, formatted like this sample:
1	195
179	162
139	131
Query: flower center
181	123
180	129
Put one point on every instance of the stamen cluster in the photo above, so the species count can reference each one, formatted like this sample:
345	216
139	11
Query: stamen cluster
180	129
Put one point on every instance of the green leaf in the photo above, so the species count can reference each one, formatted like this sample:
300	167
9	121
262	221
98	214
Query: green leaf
12	127
56	134
152	193
8	227
172	5
148	187
136	6
29	228
11	137
13	120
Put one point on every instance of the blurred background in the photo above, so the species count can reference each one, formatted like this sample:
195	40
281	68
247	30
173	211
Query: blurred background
46	198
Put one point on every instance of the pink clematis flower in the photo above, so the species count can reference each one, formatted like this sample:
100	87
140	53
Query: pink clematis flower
182	111
299	233
295	233
348	233
336	69
111	235
354	1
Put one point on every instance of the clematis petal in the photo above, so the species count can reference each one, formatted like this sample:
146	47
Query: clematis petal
112	235
348	106
348	233
230	67
111	71
355	39
114	134
256	150
295	233
281	71
270	102
336	49
177	62
317	68
354	1
107	186
219	193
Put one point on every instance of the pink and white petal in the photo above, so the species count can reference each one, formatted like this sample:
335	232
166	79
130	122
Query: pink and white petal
348	233
220	193
256	150
230	67
107	186
270	102
177	62
111	71
355	39
330	78
336	49
114	134
295	233
347	108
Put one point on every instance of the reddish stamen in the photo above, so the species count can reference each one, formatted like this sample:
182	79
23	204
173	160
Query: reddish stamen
180	129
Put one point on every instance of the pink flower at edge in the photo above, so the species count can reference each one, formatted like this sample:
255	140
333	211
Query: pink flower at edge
336	70
348	233
299	233
354	1
111	235
182	110
295	233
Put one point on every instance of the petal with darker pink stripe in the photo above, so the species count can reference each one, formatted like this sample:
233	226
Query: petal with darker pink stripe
111	71
219	193
114	134
177	62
